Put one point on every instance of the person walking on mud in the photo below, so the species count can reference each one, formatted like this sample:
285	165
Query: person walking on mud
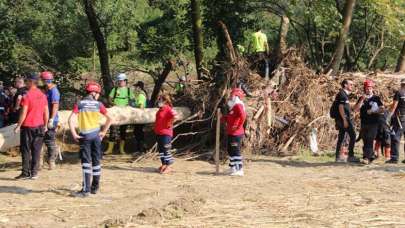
120	96
32	123
396	115
235	130
88	111
53	96
344	121
371	107
163	129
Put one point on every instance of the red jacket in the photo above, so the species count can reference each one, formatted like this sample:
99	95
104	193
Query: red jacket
235	120
164	121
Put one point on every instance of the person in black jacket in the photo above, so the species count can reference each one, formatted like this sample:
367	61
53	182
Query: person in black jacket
370	111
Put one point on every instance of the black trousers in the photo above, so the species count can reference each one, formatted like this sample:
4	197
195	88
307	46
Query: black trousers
352	134
234	145
91	155
50	142
31	140
396	139
138	133
369	134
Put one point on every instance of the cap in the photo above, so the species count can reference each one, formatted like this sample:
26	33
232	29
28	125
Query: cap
32	76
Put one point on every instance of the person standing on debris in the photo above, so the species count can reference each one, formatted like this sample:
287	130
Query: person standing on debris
235	131
87	111
32	122
397	116
53	96
344	120
17	98
163	129
259	47
120	96
371	107
181	85
141	101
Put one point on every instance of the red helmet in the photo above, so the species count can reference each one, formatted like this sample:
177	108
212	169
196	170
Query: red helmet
46	75
238	92
93	87
368	83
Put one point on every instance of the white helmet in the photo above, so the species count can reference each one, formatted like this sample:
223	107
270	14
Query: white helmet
121	77
183	78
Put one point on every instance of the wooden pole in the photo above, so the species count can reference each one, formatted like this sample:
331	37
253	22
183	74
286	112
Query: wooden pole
217	141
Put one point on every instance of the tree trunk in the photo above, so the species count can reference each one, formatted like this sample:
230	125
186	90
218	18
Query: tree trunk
230	51
340	43
401	60
101	45
282	41
120	116
197	34
162	78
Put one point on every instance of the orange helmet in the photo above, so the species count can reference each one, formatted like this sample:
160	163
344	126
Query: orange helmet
368	83
238	92
93	87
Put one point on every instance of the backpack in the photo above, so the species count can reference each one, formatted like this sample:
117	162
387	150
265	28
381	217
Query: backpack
334	110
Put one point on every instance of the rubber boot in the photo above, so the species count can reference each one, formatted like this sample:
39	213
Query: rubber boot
377	149
110	148
387	152
122	147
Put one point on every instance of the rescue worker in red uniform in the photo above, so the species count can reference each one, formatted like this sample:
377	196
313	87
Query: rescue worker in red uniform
235	130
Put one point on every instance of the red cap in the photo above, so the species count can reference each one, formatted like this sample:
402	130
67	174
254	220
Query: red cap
237	92
368	83
47	75
93	87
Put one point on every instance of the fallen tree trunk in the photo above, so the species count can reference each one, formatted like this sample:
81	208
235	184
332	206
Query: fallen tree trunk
120	116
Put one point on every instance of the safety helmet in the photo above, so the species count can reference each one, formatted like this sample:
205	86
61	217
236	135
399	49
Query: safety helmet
93	87
121	77
238	92
368	83
46	75
183	78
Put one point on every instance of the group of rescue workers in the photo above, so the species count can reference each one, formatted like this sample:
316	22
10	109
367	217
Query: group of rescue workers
381	128
36	116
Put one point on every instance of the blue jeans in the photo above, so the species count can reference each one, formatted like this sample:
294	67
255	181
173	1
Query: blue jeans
164	145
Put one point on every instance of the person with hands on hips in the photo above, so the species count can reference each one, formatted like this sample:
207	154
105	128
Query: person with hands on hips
88	112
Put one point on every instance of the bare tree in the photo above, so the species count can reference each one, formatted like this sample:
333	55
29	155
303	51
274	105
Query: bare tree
341	41
197	34
101	45
401	60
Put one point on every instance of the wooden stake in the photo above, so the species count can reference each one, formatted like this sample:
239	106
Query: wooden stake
217	141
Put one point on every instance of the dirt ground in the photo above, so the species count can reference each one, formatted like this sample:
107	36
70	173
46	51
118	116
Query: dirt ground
275	192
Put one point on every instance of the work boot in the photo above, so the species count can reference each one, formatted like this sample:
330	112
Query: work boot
110	148
353	159
392	161
387	153
122	147
81	194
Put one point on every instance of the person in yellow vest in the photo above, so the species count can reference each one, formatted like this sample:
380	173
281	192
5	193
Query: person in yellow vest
259	47
120	96
141	101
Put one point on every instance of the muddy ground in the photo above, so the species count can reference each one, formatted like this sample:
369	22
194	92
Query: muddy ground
288	192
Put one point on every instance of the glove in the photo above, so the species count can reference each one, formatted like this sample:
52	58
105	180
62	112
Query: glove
50	123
